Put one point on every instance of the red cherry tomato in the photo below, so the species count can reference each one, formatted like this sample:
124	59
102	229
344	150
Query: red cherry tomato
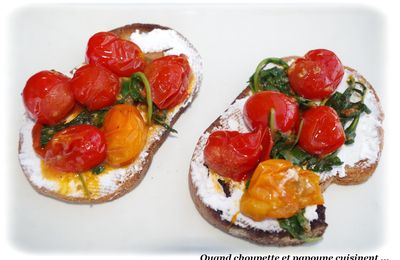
317	75
322	132
258	107
95	87
48	97
232	154
122	57
36	133
76	149
169	80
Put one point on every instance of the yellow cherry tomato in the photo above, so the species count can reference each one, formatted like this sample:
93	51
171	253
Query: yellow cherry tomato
126	134
278	189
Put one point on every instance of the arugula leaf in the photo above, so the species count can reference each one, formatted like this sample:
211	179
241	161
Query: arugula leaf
298	226
95	118
159	117
324	164
285	147
98	169
296	155
131	91
348	110
247	184
274	78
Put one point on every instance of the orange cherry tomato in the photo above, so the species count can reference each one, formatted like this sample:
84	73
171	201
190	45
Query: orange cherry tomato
125	132
278	189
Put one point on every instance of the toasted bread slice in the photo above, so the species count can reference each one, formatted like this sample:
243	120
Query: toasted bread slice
116	182
219	209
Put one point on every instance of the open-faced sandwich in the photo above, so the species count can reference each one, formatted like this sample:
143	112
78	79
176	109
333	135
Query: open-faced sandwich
91	138
259	170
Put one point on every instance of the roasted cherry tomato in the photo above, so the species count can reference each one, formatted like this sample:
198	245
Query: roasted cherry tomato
76	149
317	75
169	80
278	189
232	154
48	97
36	133
322	132
257	110
126	134
122	57
95	87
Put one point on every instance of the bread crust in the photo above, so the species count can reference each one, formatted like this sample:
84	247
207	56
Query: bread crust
354	175
135	179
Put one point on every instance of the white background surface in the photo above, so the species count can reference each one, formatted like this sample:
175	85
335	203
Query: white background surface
159	214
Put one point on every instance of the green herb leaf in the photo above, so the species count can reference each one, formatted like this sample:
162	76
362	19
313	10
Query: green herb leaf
285	148
274	79
271	79
131	91
324	164
295	155
98	169
298	226
159	117
347	110
247	184
95	118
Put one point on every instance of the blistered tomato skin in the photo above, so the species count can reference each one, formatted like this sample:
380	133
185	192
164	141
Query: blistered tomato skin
126	134
122	57
48	97
95	87
258	107
278	189
317	75
322	132
232	154
169	80
76	149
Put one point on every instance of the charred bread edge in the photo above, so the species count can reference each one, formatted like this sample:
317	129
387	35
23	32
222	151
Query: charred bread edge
136	178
